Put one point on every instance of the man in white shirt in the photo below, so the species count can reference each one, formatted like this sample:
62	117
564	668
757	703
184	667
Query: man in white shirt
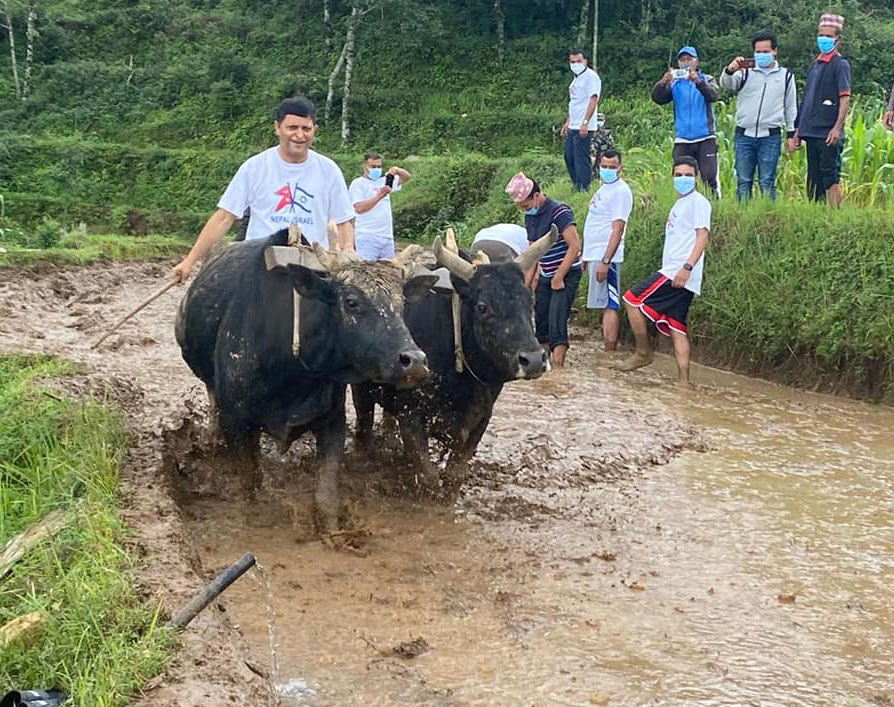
374	226
583	99
283	185
510	235
664	297
604	230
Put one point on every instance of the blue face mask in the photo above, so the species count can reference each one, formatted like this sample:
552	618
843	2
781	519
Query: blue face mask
608	174
764	60
375	172
825	44
684	185
533	211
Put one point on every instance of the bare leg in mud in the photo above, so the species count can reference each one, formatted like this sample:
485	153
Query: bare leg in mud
559	355
611	325
681	353
642	356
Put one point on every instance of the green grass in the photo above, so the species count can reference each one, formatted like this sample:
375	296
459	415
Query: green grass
79	249
100	643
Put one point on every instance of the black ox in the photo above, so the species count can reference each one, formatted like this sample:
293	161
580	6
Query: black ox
498	346
235	330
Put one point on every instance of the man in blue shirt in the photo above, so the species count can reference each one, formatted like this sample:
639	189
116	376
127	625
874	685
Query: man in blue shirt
692	93
559	271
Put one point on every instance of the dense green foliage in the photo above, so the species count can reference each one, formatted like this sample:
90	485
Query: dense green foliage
98	643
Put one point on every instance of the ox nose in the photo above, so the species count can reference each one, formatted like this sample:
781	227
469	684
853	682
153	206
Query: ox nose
532	364
413	366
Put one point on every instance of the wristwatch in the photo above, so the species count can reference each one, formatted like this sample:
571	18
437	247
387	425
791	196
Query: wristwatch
687	267
606	261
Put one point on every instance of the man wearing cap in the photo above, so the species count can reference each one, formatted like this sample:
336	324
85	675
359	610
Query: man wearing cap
692	93
820	123
283	185
583	100
766	104
559	271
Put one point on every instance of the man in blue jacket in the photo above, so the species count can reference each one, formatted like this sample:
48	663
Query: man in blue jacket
692	93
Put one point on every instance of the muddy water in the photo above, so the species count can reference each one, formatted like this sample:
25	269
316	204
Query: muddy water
618	542
578	568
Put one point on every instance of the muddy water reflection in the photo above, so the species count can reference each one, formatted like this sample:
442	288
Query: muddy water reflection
575	573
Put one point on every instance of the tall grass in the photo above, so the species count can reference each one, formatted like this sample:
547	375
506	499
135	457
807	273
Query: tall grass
100	643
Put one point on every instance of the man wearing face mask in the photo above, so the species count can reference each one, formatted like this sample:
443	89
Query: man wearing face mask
583	100
604	229
558	273
664	297
766	105
820	123
692	93
374	228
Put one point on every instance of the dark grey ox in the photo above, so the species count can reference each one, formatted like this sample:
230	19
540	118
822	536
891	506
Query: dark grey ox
235	330
498	346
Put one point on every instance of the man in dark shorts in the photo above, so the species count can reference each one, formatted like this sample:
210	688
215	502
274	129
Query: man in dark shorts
664	296
559	271
820	123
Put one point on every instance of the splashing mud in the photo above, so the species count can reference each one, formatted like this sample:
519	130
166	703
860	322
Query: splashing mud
618	542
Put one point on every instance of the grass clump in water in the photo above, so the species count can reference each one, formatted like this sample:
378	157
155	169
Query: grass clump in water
99	643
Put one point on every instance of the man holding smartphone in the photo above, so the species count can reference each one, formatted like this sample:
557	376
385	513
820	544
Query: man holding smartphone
766	104
692	93
374	227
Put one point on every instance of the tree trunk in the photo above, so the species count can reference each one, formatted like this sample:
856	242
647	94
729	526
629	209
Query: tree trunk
12	49
327	27
501	29
595	32
330	94
129	71
350	40
30	34
645	16
582	24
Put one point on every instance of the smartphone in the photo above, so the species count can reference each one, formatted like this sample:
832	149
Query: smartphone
680	73
747	64
389	181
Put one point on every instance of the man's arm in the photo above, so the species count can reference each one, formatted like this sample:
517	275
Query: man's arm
614	240
708	88
572	240
361	207
588	114
661	91
345	236
403	175
701	240
834	135
732	76
213	230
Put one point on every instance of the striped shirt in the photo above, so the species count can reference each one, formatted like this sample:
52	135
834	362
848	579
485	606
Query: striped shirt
552	212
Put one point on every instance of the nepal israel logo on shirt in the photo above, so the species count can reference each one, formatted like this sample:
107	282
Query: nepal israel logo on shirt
292	197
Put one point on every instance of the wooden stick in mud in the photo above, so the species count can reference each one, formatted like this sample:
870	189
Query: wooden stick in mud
187	613
145	303
47	527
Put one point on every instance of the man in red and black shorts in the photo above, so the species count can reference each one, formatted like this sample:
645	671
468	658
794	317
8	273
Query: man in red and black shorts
664	297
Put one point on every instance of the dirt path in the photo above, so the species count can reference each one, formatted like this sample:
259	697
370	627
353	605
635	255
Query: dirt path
618	542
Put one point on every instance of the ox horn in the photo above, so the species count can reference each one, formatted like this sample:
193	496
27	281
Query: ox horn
450	241
529	257
327	260
404	259
456	265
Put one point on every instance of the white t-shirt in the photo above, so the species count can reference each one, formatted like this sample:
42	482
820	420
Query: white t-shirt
688	213
584	86
611	202
377	222
516	237
281	193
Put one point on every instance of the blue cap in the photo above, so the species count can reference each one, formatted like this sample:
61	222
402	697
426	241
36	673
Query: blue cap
688	50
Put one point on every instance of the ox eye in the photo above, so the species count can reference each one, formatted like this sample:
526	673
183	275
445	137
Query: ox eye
481	307
352	303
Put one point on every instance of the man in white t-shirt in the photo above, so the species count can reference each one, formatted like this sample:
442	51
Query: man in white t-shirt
493	238
604	231
370	195
583	99
283	185
664	297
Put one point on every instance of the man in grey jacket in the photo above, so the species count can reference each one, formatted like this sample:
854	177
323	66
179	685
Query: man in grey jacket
766	105
888	117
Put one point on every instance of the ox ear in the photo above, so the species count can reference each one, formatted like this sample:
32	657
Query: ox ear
311	284
417	287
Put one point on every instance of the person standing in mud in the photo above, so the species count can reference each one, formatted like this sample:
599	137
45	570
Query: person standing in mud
283	185
664	297
559	272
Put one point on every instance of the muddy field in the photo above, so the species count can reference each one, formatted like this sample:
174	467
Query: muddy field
618	542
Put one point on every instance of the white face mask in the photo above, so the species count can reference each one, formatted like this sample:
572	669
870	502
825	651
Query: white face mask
577	68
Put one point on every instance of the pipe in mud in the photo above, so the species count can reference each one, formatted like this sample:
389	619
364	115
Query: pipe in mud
187	613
